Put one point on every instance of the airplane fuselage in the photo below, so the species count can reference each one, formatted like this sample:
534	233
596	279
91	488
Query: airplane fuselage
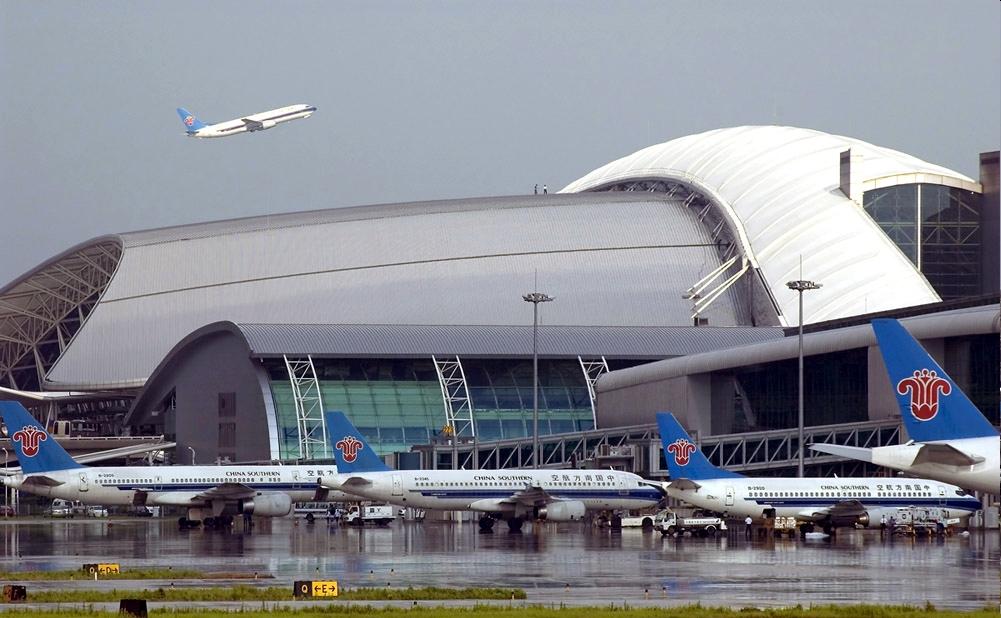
488	490
171	485
814	499
984	476
255	122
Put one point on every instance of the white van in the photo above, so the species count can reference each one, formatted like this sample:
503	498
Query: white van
65	508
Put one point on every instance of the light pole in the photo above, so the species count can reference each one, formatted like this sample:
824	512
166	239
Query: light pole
801	286
5	488
192	455
535	298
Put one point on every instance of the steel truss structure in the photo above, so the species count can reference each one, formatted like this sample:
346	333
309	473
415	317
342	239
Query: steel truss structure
638	449
42	311
593	369
455	395
308	408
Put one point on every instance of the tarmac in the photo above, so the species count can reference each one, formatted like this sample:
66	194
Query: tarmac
555	564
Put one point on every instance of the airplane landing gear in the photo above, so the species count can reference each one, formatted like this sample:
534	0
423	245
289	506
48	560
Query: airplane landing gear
515	523
486	523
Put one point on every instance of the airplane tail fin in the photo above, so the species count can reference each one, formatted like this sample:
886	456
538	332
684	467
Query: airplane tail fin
35	449
684	459
351	452
931	404
191	124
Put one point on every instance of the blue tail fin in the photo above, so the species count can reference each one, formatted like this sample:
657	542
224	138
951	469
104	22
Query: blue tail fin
36	450
191	123
931	405
351	452
684	459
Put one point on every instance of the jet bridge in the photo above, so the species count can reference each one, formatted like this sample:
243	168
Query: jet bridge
638	449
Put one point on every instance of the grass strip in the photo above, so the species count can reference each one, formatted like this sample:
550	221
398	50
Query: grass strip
483	611
252	593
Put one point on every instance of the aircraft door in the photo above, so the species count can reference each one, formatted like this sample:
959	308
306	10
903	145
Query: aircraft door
397	485
941	496
729	497
157	483
622	485
295	479
84	486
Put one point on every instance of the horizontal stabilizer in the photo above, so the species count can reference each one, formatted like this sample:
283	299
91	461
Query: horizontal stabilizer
683	484
947	455
40	480
851	452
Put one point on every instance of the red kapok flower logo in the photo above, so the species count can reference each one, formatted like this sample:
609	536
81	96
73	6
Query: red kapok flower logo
28	438
682	450
349	447
924	387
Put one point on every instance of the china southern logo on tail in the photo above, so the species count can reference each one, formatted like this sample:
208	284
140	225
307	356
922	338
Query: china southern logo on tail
682	450
28	438
349	447
924	387
189	120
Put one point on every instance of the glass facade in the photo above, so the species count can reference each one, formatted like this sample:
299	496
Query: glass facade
397	403
835	388
984	366
937	228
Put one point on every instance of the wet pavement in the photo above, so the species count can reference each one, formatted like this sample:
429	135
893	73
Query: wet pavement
556	563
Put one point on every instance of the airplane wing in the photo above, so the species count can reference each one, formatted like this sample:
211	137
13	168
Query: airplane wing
946	454
532	495
226	491
844	508
252	125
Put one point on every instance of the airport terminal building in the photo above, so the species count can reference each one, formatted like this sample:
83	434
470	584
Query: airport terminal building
668	268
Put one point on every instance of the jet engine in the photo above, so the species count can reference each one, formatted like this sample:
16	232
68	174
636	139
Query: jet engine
267	505
849	521
267	124
571	510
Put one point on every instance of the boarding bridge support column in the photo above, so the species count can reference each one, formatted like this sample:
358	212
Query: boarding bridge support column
459	417
308	408
592	371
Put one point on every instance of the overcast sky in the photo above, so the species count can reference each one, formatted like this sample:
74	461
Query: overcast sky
444	99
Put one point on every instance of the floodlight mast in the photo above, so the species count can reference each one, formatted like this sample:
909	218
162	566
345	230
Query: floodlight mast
535	298
801	286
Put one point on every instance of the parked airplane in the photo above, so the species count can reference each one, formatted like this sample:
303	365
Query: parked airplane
827	502
212	494
246	124
950	439
511	495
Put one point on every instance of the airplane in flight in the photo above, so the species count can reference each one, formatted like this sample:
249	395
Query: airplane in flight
950	439
511	495
212	494
244	124
828	502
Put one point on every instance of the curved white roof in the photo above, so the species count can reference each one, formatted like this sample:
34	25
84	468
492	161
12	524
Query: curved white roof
611	260
778	186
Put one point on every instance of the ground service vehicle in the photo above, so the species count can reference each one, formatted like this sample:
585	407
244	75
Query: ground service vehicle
668	522
639	521
378	515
